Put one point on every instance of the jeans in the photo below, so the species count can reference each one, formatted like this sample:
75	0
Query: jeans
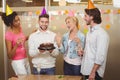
97	77
48	71
70	69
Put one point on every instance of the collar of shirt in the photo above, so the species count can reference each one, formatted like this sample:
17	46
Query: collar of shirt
93	28
45	32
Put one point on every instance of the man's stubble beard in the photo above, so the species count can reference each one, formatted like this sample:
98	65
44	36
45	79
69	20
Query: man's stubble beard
44	29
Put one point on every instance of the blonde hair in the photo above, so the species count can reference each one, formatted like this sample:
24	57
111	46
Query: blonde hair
75	19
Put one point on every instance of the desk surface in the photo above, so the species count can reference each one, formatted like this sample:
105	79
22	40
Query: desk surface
46	77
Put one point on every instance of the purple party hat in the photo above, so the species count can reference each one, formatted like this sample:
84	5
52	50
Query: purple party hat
43	11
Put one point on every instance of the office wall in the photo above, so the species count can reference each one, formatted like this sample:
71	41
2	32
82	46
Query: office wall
57	24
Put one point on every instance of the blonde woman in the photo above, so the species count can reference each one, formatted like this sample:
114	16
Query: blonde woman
70	44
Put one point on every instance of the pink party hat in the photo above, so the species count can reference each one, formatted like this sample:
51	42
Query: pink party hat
43	11
71	13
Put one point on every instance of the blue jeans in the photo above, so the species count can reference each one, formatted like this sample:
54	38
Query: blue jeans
48	71
70	69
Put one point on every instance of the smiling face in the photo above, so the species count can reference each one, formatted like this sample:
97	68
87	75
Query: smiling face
16	21
88	19
92	16
43	22
70	23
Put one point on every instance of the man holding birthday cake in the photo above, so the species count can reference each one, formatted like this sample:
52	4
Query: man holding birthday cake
42	47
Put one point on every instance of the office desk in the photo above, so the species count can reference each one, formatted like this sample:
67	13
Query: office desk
46	77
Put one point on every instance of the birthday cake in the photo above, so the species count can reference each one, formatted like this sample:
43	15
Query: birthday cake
46	46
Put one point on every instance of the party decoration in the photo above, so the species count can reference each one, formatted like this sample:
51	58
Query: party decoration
66	12
108	11
30	13
107	26
71	13
118	11
63	26
54	28
8	10
59	12
115	12
43	11
90	5
38	12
